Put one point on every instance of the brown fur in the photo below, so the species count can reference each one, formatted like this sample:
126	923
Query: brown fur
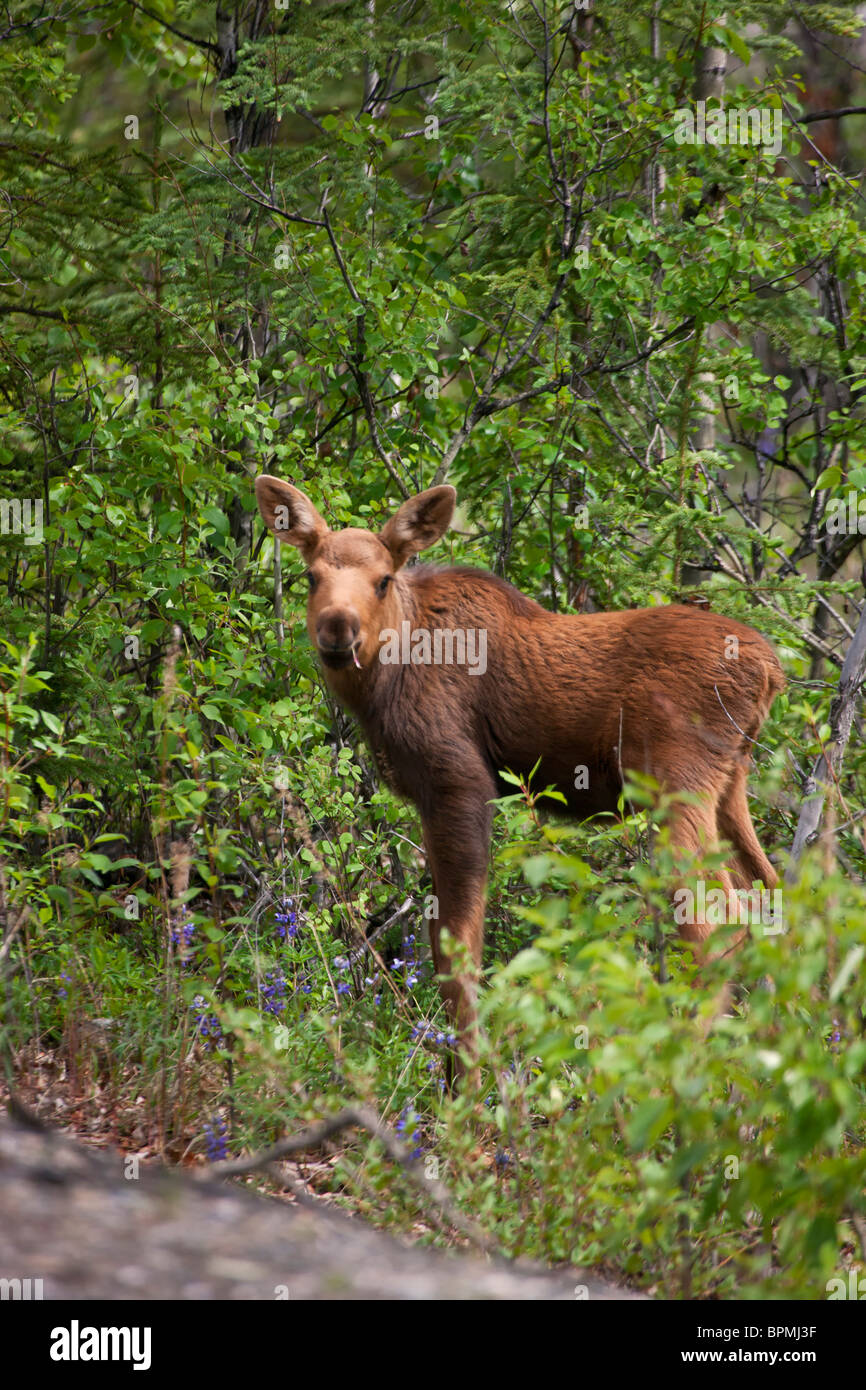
648	690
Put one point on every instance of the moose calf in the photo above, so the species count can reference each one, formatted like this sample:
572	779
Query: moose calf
455	675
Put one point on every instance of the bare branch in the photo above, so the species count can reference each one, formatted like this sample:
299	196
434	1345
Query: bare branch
833	115
360	376
204	44
359	1117
828	764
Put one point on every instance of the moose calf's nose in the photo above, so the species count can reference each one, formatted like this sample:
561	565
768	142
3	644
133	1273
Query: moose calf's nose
337	629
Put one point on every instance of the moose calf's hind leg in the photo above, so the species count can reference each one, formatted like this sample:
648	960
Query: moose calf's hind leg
693	829
735	824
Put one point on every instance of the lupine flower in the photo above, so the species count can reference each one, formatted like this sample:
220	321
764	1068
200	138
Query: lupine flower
62	990
410	965
406	1128
183	929
215	1139
182	936
273	992
287	921
435	1036
206	1025
344	987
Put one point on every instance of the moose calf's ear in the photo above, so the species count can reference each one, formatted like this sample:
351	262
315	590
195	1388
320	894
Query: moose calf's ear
289	514
419	522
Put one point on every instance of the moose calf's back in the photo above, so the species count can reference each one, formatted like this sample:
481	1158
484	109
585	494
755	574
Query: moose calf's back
674	692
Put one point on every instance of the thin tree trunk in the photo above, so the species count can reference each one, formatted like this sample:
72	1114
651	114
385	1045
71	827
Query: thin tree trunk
827	766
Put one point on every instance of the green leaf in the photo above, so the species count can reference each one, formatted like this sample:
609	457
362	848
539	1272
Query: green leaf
831	477
849	967
217	519
648	1121
820	1234
737	44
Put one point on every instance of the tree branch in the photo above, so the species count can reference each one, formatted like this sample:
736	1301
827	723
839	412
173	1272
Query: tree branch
832	115
487	404
32	310
361	379
187	38
359	1117
827	765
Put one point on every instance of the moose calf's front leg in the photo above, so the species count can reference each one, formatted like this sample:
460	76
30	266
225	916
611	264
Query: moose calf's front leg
457	839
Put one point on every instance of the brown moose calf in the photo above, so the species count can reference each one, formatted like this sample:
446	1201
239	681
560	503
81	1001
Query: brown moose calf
455	675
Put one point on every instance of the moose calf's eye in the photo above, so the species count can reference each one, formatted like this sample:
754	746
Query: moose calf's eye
383	585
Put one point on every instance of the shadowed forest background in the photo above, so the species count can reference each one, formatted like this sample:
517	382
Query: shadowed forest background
370	247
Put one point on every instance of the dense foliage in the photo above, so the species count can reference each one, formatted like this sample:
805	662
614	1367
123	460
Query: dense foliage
367	247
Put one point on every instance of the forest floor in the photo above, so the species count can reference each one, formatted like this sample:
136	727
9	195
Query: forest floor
71	1216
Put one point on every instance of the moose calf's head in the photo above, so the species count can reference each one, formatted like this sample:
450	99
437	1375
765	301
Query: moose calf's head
351	573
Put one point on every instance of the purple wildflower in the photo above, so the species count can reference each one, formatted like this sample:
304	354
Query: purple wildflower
183	934
215	1139
406	1127
274	992
206	1025
426	1032
287	921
